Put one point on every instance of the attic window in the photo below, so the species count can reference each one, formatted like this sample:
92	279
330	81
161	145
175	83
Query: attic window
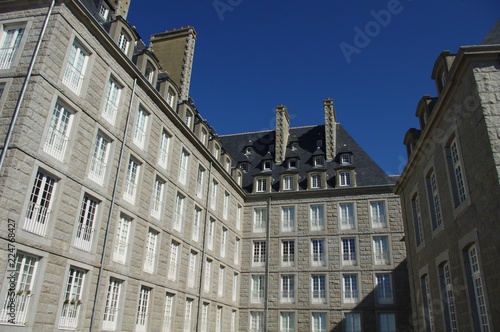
318	161
266	165
104	10
244	167
345	158
292	163
295	146
319	143
248	150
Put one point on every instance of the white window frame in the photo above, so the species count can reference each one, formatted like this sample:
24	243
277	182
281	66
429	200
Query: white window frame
168	313
381	250
86	223
287	252
345	179
111	101
258	288
288	219
352	322
223	245
318	289
193	262
122	238
195	232
151	251
427	303
140	127
288	182
99	159
57	138
225	206
259	220
386	321
178	221
188	315
318	252
170	97
76	66
457	174
236	284
157	198
287	284
113	304
384	292
213	194
124	41
211	234
417	220
70	310
347	215
142	316
319	322
132	180
173	266
205	321
259	253
287	321
349	251
350	288
9	48
261	185
207	281
200	181
478	289
164	151
237	251
317	217
378	215
220	286
43	195
448	297
434	201
256	321
316	181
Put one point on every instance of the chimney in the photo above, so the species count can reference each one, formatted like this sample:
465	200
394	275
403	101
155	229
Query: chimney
175	51
330	128
282	130
121	8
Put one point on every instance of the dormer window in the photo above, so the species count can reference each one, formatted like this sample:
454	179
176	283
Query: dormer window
295	146
203	137
315	181
124	42
149	73
248	150
318	161
244	167
266	165
188	120
292	163
104	11
261	185
216	151
345	179
170	97
345	158
228	164
288	182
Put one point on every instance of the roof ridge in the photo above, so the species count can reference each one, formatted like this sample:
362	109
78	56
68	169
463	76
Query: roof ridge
267	130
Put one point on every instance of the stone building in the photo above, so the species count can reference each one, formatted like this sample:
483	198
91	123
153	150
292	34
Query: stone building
449	194
123	210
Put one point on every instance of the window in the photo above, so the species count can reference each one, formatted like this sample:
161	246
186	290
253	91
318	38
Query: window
315	181
318	288
456	170
238	217
287	321
86	224
288	288
259	220
434	204
261	185
381	250
150	256
288	252
223	244
256	321
352	322
193	258
123	42
188	120
112	306
218	319
383	288
244	167
165	140
57	138
417	220
233	321
448	297
225	207
292	163
9	41
346	216
317	216
236	284
131	180
319	322
23	282
103	10
345	158
75	68
72	299
318	161
168	314
220	287
345	179
259	253
288	182
386	322
170	97
157	201
266	165
211	234
216	151
213	196
39	206
173	265
258	289
179	212
288	219
195	234
121	239
478	296
427	303
349	256
200	178
149	72
141	322
377	214
208	276
318	252
350	288
237	251
187	315
140	129
204	317
98	163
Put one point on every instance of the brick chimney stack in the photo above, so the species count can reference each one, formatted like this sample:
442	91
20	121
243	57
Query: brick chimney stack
330	128
282	131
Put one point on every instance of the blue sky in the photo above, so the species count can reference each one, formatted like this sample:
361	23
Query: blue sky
373	58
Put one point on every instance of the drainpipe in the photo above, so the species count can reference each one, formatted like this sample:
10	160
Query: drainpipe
25	86
268	241
110	213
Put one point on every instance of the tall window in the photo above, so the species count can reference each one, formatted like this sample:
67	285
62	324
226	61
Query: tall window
157	201
345	179
123	42
165	140
150	256
288	182
352	322
261	185
211	234
213	194
317	216
98	163
141	322
223	244
386	322
179	212
188	315
350	288
434	204
195	233
131	180
288	219
233	321
236	251
39	206
141	123
86	224
103	9
239	209
75	68
457	172
417	220
173	265
287	321
220	287
448	297
218	319
346	216
318	252
259	253
168	314
225	206
9	41
149	72
188	119
110	319
200	178
349	256
236	284
122	239
383	288
319	322
183	167
315	181
288	252
170	97
381	250
427	303
208	276
377	214
23	282
478	295
256	321
204	317
57	138
258	289
72	299
318	288
112	100
193	258
259	220
288	288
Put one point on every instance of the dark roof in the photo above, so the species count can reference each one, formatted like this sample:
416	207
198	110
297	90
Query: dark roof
368	173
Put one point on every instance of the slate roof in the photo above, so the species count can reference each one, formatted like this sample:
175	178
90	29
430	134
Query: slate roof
368	173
